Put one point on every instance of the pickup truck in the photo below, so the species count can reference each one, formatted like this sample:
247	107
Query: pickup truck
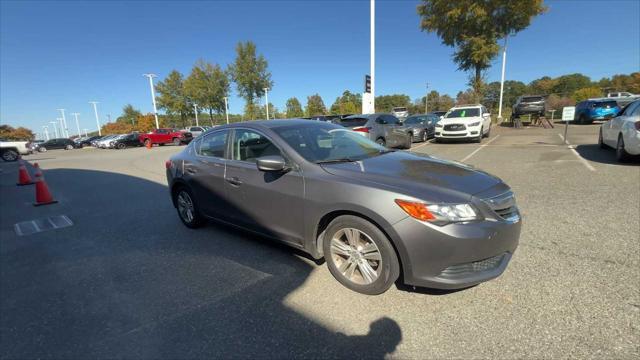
622	98
11	150
165	136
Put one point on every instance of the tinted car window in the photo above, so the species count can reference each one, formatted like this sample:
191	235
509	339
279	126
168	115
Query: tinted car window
464	112
353	122
391	120
415	120
214	144
606	104
532	99
632	109
249	145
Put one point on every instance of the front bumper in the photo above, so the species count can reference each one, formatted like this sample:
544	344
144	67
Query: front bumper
468	133
457	255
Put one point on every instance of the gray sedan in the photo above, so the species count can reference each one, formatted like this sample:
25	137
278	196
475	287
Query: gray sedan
421	127
385	129
376	215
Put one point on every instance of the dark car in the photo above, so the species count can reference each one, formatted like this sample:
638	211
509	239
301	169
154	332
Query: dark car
129	140
373	213
89	141
61	143
421	127
439	114
529	104
385	129
596	109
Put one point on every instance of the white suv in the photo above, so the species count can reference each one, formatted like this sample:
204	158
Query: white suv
464	122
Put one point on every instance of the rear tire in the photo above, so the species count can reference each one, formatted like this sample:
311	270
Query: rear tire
68	147
381	142
42	149
621	154
360	256
187	208
121	146
147	143
10	155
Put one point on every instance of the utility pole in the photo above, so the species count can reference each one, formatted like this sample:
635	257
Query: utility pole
55	128
64	129
266	100
153	97
95	110
373	54
504	62
46	131
226	108
195	108
77	123
426	101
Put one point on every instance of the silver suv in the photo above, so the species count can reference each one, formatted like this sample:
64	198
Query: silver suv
385	129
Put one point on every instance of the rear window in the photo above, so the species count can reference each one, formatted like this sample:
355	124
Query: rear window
353	122
465	112
606	104
398	109
532	99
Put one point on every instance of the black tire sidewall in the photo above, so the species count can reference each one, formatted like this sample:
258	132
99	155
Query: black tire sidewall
621	153
390	263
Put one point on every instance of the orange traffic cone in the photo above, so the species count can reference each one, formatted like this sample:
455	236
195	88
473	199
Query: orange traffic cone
43	196
23	175
38	171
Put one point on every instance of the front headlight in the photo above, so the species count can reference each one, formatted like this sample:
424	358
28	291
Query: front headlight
438	124
474	124
439	214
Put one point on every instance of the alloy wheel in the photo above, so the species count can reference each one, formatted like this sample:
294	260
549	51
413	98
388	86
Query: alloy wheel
185	207
9	155
356	256
425	136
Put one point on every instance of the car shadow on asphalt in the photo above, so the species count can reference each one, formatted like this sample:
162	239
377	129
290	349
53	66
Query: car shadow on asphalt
593	152
128	280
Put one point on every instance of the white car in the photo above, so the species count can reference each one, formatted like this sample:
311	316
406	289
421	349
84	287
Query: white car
11	150
464	122
623	132
103	143
400	112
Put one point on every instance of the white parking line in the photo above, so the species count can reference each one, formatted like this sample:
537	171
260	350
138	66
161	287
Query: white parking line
478	149
570	147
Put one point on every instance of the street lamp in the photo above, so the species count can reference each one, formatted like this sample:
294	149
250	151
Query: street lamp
153	97
46	131
55	128
85	132
266	100
372	24
504	62
63	129
426	101
77	123
62	133
226	108
95	110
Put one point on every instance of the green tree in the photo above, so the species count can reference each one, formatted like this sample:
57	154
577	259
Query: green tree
474	27
207	86
586	93
348	103
315	105
386	103
568	84
171	96
294	108
129	113
542	86
250	73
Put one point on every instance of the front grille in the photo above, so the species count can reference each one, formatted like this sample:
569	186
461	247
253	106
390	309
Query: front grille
504	205
473	267
455	134
455	127
507	212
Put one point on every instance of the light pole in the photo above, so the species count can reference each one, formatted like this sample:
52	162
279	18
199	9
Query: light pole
226	108
55	128
95	110
46	131
62	133
373	54
504	62
77	123
64	130
153	97
426	101
266	100
195	109
86	134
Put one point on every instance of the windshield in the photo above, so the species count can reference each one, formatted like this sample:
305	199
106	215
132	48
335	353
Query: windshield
415	120
532	99
328	143
464	112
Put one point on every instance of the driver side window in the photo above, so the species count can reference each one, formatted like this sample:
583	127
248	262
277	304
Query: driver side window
249	145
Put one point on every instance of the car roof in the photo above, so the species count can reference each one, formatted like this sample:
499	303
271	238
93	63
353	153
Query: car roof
466	106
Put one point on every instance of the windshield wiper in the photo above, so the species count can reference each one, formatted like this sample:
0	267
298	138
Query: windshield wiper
332	161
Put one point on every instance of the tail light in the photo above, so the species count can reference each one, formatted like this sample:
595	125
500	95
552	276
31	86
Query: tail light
168	164
637	125
363	129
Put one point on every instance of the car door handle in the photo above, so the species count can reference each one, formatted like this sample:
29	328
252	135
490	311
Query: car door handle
235	181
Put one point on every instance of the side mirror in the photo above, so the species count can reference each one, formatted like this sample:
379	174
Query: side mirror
486	114
271	163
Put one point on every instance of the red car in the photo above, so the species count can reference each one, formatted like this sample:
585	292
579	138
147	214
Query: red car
165	136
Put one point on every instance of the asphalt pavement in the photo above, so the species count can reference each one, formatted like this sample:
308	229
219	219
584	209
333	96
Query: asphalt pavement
128	280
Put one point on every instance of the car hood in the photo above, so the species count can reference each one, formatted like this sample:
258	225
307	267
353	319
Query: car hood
460	120
417	175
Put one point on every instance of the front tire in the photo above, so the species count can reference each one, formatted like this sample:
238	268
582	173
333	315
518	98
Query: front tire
176	141
68	147
187	208
479	138
425	136
121	146
360	256
621	154
10	155
147	143
488	132
42	149
381	142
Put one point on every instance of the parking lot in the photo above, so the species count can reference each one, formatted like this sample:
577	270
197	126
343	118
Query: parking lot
128	280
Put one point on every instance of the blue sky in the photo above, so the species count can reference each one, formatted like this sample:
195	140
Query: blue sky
57	54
